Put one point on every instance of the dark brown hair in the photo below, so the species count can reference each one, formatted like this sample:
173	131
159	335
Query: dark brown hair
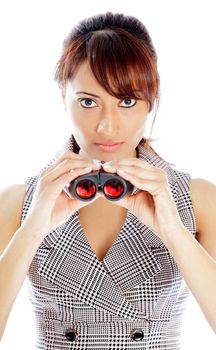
121	55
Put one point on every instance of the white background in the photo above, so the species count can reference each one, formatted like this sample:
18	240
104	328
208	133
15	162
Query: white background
33	124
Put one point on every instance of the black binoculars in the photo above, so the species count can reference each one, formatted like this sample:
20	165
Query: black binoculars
85	187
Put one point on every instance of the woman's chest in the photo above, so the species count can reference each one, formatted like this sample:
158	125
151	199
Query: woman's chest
102	227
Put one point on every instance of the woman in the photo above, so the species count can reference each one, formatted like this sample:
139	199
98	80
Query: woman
109	274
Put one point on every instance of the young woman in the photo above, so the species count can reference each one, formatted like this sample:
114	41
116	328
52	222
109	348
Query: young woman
109	274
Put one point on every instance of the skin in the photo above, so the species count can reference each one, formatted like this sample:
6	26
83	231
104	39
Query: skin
105	119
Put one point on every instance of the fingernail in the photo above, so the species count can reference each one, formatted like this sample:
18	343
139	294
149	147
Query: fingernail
107	165
96	161
87	169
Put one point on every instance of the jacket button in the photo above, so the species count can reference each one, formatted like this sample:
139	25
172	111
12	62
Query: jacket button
70	334
137	334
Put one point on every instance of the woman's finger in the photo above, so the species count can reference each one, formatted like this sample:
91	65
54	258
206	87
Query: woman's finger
68	155
153	185
65	166
133	162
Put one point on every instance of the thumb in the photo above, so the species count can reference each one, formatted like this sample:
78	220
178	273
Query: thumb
124	202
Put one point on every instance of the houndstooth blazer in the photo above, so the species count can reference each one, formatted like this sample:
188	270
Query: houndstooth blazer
133	299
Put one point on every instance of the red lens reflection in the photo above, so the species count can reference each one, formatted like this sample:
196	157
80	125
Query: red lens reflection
86	189
113	188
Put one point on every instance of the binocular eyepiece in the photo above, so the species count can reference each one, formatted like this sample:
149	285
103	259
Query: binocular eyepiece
85	187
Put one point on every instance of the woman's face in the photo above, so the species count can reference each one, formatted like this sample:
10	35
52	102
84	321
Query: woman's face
99	118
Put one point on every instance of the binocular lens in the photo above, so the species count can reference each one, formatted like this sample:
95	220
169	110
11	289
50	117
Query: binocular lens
86	189
113	188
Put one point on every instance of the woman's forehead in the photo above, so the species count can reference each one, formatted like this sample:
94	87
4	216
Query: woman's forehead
84	80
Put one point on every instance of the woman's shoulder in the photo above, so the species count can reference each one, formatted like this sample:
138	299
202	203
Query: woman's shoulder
199	185
203	196
11	196
11	204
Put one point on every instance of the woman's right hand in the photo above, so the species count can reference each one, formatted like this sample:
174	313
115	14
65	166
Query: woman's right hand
50	206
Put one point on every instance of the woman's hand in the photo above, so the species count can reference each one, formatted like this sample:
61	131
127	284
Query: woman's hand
153	204
50	206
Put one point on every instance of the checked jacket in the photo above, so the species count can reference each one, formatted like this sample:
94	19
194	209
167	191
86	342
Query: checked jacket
133	299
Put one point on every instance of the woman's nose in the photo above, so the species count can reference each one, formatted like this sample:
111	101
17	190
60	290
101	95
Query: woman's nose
108	125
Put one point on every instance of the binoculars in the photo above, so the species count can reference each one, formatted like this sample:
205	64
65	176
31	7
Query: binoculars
85	187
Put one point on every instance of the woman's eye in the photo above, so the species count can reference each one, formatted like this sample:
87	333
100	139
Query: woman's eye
87	102
129	102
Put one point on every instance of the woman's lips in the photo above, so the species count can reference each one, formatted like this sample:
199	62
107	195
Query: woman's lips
110	147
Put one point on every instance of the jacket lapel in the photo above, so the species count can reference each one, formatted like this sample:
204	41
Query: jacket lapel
130	261
71	265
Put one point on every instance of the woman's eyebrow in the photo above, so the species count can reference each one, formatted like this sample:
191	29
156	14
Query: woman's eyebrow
87	93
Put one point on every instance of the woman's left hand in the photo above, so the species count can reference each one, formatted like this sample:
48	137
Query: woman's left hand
153	205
